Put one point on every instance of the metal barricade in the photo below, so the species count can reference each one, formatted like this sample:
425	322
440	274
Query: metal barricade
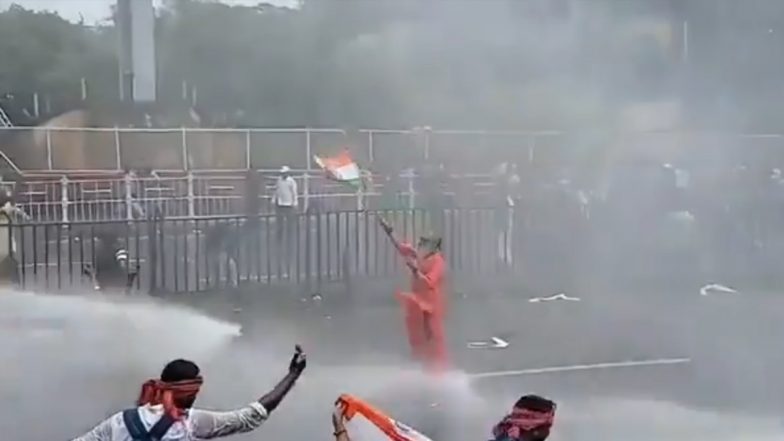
203	254
551	243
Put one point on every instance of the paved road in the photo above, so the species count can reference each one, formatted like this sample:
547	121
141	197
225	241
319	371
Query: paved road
731	342
732	382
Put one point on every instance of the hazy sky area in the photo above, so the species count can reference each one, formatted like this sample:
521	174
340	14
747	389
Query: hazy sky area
95	11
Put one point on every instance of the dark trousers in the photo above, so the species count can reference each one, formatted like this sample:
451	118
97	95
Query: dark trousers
285	222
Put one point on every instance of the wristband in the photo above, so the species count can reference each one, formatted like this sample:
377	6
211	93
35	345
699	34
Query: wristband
339	432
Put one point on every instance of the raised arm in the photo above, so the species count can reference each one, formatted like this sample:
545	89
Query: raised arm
403	248
272	399
211	425
339	424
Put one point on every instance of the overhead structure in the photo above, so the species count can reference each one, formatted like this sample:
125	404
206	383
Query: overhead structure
135	21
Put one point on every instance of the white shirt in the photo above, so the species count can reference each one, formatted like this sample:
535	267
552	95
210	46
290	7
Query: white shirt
197	425
285	192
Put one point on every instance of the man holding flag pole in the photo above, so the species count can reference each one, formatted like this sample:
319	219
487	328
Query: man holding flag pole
424	307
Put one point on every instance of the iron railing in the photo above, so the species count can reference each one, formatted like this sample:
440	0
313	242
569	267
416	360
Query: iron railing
549	242
194	194
80	149
66	149
176	255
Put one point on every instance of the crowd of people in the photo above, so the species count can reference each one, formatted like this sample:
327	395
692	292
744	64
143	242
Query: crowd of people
164	411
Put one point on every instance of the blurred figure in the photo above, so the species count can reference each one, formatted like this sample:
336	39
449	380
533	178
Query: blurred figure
8	265
165	408
222	243
286	202
252	193
506	191
531	419
425	306
111	268
9	208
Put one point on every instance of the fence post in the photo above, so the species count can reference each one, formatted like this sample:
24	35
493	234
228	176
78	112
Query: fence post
411	196
370	146
64	198
531	148
247	149
306	183
129	197
49	160
117	149
191	196
428	131
185	162
305	192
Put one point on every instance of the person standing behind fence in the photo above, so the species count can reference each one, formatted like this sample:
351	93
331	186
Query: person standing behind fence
506	189
251	196
286	202
8	264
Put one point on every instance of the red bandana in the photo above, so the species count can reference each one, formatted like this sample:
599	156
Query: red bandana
155	392
521	421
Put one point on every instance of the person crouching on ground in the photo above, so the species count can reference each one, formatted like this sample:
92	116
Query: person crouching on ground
165	409
531	419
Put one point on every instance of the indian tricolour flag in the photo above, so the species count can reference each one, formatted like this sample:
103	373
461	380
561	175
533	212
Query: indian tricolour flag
341	167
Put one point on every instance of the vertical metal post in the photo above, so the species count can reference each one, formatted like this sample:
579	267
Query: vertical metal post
308	168
36	106
84	89
247	150
49	161
371	155
128	197
306	192
685	53
185	162
117	149
411	196
427	131
64	198
191	196
308	149
531	148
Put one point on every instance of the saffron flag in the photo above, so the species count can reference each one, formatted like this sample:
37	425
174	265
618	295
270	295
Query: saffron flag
341	167
389	428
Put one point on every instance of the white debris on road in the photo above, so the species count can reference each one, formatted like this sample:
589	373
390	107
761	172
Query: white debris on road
714	288
560	296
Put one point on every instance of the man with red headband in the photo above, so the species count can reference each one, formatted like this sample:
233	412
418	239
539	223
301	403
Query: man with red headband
165	413
424	307
531	419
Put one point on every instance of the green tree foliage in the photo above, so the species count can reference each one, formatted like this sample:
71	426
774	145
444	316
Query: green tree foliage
533	64
43	53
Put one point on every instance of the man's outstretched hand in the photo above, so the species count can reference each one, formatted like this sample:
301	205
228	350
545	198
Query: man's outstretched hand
298	362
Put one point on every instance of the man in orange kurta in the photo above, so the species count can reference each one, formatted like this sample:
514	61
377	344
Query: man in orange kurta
424	307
